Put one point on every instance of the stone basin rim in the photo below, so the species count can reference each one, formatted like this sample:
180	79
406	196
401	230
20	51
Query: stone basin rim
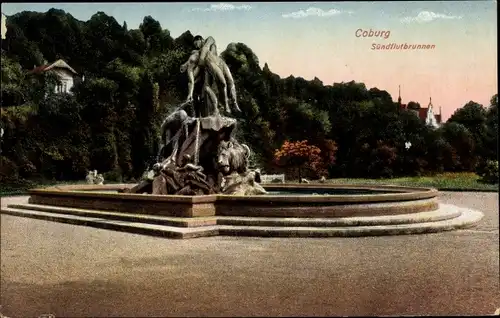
397	193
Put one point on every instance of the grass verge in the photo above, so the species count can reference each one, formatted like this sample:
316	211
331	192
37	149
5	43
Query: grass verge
22	187
463	181
442	181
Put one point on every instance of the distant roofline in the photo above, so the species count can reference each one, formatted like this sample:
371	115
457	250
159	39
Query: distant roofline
47	67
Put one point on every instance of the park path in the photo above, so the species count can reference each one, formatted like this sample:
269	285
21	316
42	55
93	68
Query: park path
65	270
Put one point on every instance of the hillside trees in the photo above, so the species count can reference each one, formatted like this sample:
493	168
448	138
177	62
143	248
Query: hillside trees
132	81
13	83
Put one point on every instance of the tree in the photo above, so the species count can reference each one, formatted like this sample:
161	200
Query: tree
241	58
303	119
64	152
134	48
150	27
349	121
328	149
382	157
441	156
473	117
165	70
145	133
13	88
469	115
383	96
411	161
491	140
462	141
184	41
21	49
298	155
350	91
104	36
157	40
413	105
98	97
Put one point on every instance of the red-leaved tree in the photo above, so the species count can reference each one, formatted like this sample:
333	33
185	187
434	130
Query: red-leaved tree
298	155
328	154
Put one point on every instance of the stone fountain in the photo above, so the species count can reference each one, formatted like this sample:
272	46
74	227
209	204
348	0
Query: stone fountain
201	184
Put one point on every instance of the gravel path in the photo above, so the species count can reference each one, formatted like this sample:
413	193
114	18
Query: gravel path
73	271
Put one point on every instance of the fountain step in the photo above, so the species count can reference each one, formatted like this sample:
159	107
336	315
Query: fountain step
117	225
467	218
130	217
443	213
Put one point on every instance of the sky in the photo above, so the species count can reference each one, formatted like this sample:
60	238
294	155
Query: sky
325	40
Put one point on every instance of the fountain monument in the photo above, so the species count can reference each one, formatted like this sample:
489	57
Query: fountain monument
201	184
198	154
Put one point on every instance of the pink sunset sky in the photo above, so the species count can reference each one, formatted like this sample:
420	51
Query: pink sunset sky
319	40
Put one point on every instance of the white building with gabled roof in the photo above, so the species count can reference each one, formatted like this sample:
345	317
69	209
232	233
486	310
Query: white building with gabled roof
64	72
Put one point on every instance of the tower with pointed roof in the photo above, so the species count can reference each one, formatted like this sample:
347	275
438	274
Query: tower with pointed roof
430	118
399	96
400	104
426	114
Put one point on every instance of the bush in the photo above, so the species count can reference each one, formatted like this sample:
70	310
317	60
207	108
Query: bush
113	176
381	162
9	171
132	180
489	172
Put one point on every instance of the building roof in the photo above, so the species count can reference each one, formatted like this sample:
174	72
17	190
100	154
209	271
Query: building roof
57	64
438	118
39	69
422	113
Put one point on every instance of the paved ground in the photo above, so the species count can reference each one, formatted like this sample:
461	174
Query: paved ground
72	271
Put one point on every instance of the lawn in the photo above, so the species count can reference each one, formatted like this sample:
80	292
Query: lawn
443	181
22	188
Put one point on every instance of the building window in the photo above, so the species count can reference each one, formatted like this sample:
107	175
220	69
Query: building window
65	86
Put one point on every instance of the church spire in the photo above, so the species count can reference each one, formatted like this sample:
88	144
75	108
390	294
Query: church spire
399	98
430	106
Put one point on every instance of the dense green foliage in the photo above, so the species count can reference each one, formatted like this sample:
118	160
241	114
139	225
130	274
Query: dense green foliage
132	79
489	172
